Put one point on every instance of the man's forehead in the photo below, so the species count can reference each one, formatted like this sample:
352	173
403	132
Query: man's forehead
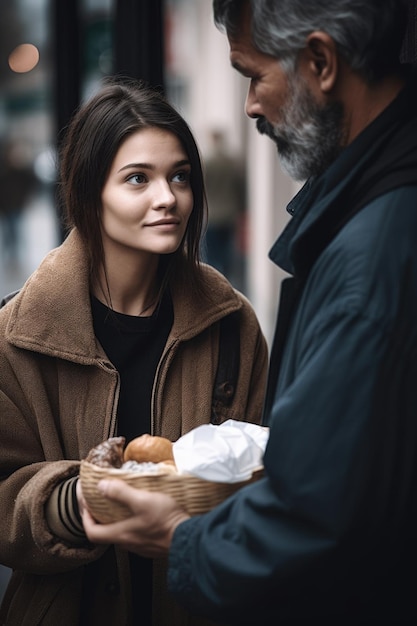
245	57
241	55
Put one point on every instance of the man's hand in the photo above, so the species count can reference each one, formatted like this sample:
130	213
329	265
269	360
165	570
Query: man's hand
147	531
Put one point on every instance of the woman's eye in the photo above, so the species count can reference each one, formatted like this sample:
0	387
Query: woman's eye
136	179
181	177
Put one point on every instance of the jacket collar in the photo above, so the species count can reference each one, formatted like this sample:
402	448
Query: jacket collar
52	312
194	314
381	158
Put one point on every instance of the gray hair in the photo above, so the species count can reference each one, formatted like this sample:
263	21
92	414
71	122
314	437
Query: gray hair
368	33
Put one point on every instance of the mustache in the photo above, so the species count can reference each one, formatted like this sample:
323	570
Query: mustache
264	127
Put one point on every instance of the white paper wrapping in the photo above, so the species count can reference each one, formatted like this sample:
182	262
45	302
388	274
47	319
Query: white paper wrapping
226	453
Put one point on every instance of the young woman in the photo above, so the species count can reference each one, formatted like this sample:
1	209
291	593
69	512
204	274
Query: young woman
117	332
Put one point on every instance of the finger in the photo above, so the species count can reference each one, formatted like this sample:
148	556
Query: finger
90	525
119	491
99	533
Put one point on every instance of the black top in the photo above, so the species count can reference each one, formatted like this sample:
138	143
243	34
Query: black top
134	345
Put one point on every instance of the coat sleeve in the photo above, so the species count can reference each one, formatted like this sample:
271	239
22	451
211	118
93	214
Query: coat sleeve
27	481
321	516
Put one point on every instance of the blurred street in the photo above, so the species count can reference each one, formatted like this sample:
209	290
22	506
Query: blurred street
38	233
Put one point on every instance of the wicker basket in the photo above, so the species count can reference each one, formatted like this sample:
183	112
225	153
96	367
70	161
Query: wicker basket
195	495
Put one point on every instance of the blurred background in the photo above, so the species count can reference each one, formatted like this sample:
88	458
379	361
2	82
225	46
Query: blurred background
54	53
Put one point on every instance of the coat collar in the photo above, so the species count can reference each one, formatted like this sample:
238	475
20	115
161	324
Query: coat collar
192	314
381	158
52	312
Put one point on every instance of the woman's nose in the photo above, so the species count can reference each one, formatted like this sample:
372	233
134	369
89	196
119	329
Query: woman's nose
163	195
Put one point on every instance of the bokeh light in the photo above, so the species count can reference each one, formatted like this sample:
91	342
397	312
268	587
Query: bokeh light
24	58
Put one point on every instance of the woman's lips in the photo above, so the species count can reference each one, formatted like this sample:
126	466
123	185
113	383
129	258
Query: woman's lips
170	223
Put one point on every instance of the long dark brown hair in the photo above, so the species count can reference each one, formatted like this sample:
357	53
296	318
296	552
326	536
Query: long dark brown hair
119	108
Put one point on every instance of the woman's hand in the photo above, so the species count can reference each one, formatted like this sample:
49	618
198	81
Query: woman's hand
147	531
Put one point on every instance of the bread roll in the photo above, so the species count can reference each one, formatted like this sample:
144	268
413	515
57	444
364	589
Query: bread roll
109	453
149	448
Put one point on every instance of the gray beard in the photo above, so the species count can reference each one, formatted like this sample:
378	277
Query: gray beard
309	137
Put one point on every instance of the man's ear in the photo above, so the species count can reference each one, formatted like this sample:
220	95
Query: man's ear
322	59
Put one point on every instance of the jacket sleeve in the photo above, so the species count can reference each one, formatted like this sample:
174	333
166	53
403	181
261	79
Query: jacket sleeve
27	480
326	499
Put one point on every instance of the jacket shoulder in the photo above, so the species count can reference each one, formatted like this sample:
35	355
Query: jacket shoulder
224	292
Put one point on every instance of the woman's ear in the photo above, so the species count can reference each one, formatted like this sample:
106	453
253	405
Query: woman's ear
322	60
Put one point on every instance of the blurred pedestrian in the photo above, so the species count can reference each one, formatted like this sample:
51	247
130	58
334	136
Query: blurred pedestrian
226	194
18	183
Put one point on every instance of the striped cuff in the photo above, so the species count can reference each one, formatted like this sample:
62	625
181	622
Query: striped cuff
62	514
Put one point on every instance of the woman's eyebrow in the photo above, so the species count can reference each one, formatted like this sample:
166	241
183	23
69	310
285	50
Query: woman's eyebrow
145	166
150	166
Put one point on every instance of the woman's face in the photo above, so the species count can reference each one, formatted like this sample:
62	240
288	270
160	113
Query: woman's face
147	198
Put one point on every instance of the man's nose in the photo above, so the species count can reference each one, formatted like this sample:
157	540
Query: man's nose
252	106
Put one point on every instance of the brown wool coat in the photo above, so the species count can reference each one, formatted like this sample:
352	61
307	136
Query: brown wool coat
58	399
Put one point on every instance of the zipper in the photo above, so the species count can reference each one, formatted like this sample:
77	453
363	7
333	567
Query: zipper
109	368
163	366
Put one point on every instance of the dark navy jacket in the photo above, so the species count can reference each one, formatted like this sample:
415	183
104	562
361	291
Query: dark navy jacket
330	534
